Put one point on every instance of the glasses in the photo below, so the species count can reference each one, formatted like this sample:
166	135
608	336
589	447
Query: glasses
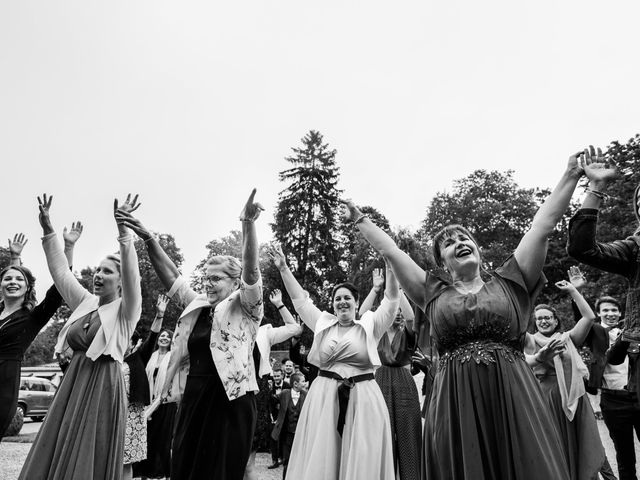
213	279
544	317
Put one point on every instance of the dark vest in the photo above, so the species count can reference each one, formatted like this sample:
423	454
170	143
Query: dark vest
293	413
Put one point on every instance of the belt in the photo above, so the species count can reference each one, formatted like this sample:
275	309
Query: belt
617	393
344	390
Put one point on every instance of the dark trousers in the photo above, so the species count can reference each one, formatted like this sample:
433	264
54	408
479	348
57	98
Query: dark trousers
621	414
287	443
606	472
276	451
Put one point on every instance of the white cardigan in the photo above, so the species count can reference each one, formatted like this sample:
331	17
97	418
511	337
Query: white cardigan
374	324
118	319
267	337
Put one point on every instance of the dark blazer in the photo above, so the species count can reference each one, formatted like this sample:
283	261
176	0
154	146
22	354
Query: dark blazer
285	398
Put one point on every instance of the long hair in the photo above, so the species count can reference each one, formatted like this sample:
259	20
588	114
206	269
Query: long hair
30	295
169	332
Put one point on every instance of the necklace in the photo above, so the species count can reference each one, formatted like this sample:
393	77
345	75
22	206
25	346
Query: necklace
350	324
476	285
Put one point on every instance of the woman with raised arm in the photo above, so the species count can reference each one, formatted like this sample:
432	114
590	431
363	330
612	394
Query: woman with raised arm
487	418
343	432
396	349
160	425
21	320
211	366
83	434
554	358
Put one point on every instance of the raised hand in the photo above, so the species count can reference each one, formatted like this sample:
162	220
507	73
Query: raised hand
129	221
576	277
251	210
16	246
350	212
575	166
378	279
275	297
129	205
565	286
274	251
44	204
550	350
598	169
72	235
161	304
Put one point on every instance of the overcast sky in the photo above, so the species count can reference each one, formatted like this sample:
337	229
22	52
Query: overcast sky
191	104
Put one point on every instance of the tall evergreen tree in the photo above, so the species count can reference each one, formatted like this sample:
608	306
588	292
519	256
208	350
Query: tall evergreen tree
307	215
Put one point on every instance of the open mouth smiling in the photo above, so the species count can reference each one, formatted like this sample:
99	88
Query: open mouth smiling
463	252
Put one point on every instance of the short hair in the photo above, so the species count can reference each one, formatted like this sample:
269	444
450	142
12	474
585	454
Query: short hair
607	299
448	231
277	370
230	265
544	306
30	300
349	286
296	377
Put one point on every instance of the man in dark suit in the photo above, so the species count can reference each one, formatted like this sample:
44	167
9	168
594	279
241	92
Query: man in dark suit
274	405
291	402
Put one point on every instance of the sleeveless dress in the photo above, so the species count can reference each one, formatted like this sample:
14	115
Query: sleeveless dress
487	417
82	436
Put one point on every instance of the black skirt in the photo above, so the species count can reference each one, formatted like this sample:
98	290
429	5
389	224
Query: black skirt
159	437
213	434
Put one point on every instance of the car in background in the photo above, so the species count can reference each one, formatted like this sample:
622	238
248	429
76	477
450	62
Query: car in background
35	397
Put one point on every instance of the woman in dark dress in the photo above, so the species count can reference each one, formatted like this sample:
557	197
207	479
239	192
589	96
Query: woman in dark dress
161	424
82	436
21	319
487	418
396	348
216	332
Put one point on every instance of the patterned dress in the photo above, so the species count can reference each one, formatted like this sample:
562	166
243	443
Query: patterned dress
401	396
135	436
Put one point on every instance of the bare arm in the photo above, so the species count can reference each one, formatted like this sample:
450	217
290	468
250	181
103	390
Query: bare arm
310	313
164	267
161	307
579	332
378	284
276	299
250	255
70	237
409	274
532	250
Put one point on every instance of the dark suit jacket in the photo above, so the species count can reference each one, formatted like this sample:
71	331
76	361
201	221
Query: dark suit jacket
285	398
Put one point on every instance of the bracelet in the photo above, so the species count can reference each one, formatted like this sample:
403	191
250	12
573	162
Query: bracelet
361	217
281	306
148	239
597	193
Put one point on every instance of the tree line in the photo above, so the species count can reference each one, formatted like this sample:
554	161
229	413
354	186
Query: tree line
322	250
